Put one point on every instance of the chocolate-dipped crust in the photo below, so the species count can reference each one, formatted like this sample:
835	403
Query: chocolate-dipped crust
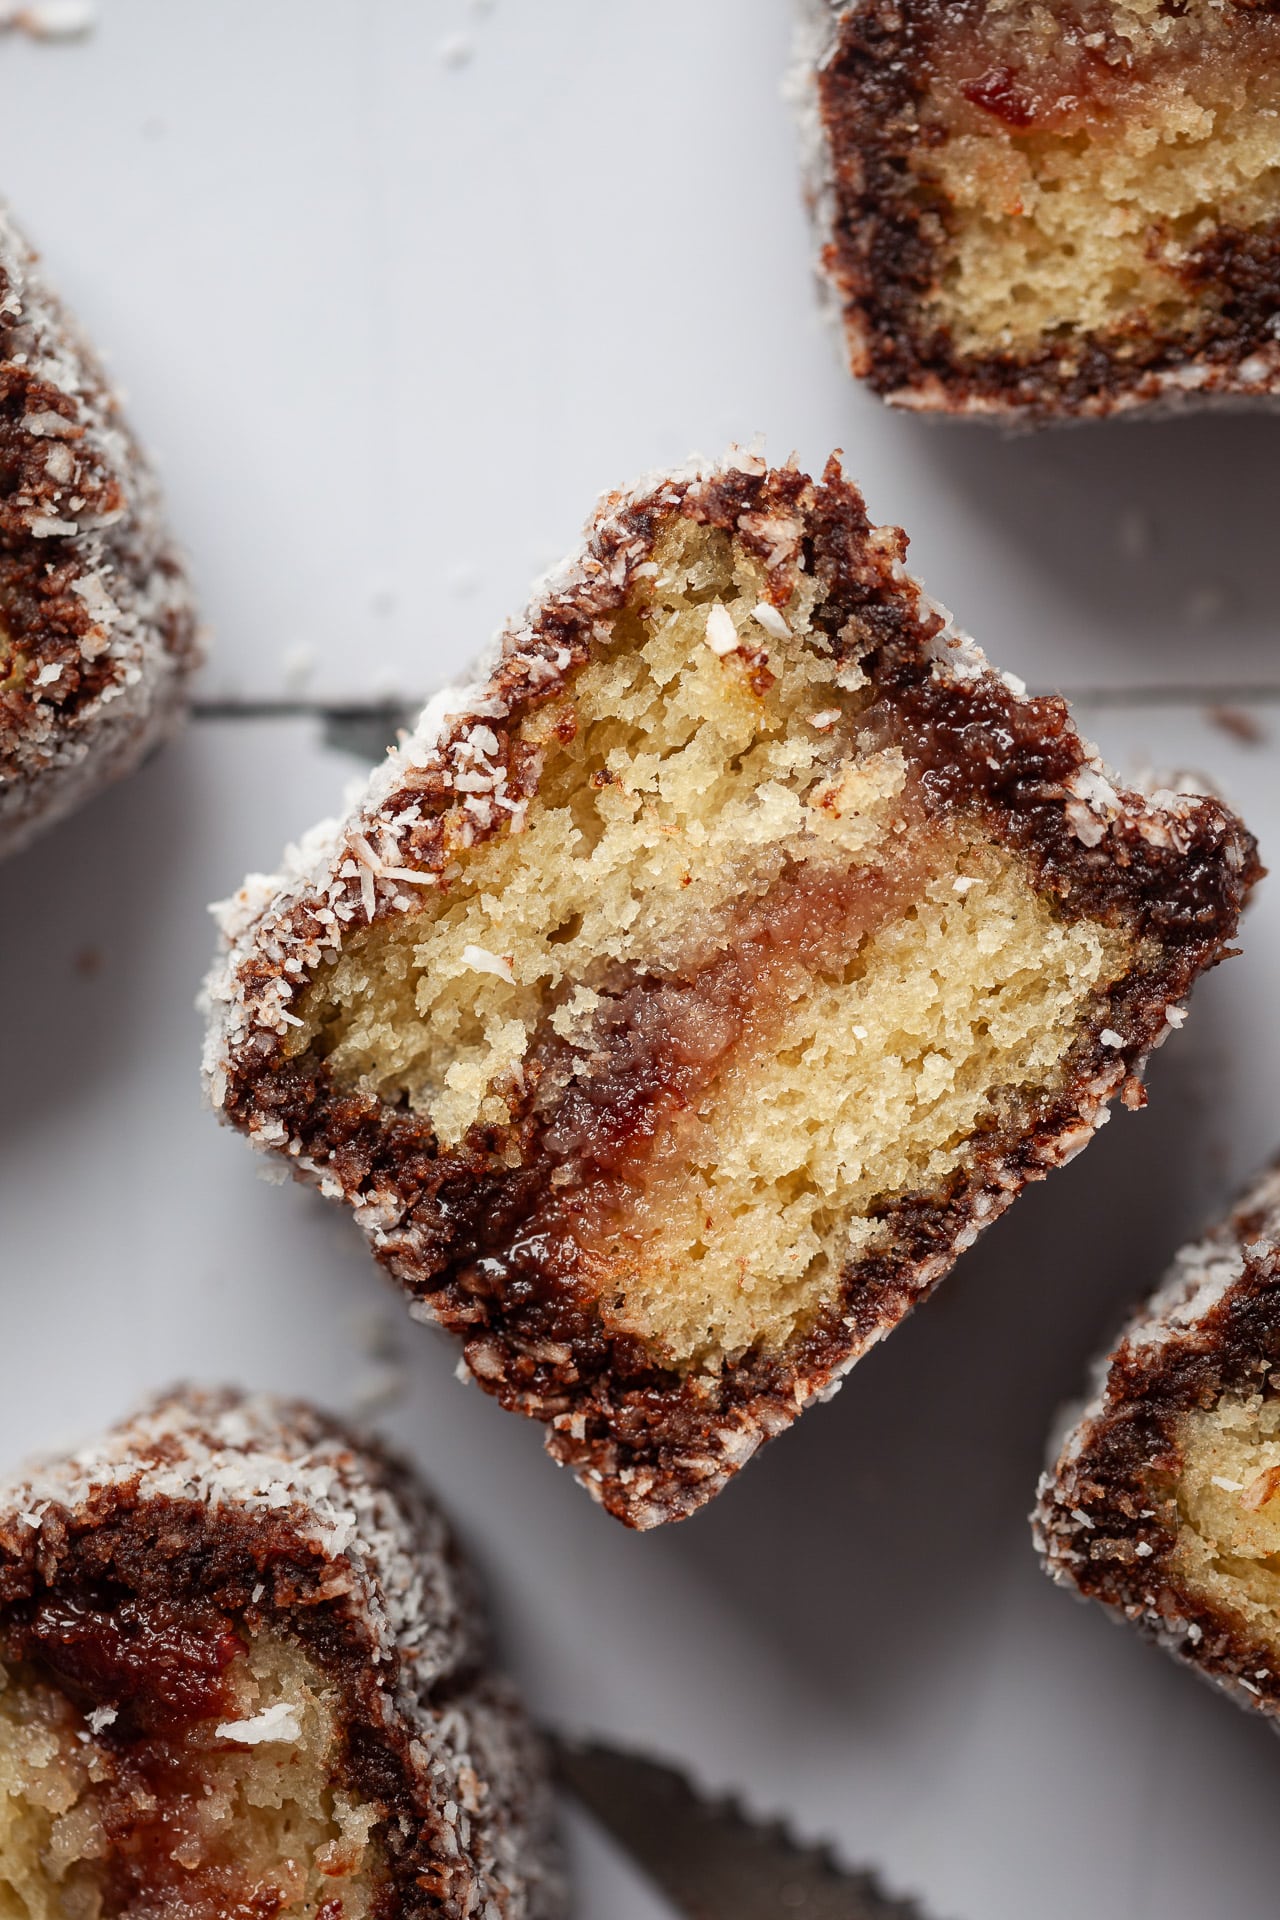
1047	212
1162	1502
682	997
97	627
243	1670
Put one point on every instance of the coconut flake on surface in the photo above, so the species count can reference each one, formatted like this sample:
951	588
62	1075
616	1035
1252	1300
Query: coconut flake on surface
722	635
52	19
46	423
1090	784
281	1722
772	620
480	960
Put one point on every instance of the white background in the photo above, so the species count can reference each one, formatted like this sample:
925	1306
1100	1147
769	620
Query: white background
392	318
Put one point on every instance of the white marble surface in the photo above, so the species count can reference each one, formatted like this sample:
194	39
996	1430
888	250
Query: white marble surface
393	322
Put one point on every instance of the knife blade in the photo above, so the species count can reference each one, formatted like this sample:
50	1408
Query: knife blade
713	1860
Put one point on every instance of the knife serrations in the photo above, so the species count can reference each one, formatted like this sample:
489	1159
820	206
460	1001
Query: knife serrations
711	1858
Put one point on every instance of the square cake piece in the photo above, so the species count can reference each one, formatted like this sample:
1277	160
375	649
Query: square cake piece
685	994
1164	1503
98	633
245	1675
1049	208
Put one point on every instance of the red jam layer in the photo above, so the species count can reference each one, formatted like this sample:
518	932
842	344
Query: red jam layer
620	1103
165	1673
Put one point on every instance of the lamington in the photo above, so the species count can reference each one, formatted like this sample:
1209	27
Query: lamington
1164	1502
1048	208
98	632
242	1671
685	994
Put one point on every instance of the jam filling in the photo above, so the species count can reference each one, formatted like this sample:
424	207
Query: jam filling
164	1672
998	66
621	1107
159	1668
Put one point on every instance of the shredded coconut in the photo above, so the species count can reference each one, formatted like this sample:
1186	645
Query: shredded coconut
283	1721
480	960
722	635
774	622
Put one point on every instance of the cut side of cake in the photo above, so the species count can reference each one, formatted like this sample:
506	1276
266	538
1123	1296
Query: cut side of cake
685	994
1049	208
1164	1502
242	1673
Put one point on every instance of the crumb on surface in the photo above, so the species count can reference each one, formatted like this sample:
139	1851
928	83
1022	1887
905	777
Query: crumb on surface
1239	723
51	19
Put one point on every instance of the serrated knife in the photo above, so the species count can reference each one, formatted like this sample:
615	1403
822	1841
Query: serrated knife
710	1858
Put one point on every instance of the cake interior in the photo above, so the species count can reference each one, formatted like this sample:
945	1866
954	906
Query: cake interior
126	1791
1079	154
1228	1498
730	988
13	663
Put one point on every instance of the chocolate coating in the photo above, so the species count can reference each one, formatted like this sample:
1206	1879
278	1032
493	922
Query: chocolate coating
98	631
131	1573
1105	1522
653	1443
866	76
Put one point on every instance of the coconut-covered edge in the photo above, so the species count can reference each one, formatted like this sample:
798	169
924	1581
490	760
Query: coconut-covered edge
1197	385
348	873
338	857
329	1510
1188	1342
113	608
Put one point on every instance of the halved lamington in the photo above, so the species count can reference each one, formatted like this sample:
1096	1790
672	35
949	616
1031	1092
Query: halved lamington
1049	207
241	1672
684	995
1164	1502
97	626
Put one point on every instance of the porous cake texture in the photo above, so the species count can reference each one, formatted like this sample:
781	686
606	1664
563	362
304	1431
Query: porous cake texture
683	996
97	627
1049	207
242	1671
1164	1501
